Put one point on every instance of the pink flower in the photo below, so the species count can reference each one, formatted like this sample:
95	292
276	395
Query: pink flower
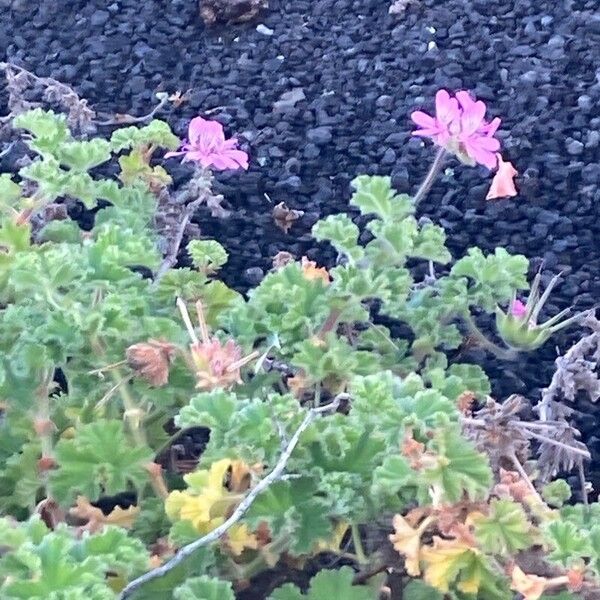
461	128
438	128
207	145
503	185
518	309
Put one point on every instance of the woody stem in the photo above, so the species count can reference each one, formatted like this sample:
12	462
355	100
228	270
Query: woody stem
434	170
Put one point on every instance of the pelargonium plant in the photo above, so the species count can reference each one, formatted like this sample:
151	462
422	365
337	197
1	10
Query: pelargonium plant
295	427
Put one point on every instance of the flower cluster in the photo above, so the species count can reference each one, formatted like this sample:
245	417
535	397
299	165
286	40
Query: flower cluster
207	146
459	125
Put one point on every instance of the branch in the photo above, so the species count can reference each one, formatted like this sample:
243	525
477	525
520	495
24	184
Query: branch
241	509
170	258
121	119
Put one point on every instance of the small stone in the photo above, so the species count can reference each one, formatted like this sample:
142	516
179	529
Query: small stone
254	275
311	151
293	182
386	102
585	103
264	30
575	147
591	174
319	135
389	157
289	99
593	139
99	18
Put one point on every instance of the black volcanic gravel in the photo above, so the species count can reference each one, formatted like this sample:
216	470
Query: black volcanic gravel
327	97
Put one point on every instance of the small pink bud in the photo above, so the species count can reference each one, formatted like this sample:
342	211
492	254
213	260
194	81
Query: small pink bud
518	309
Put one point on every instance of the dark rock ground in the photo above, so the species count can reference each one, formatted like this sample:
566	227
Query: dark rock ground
327	96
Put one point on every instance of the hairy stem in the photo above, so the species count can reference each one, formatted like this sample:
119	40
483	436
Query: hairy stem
503	353
434	170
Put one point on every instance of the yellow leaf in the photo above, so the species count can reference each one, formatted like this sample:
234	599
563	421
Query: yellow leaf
174	503
96	519
530	586
444	560
407	541
239	538
332	544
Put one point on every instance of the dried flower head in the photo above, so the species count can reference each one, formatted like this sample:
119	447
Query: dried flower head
207	146
460	127
151	361
216	364
503	184
312	272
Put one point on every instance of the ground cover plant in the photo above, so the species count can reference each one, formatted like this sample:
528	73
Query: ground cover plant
339	426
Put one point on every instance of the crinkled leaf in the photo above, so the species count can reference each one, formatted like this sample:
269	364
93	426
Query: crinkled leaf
83	155
204	588
326	585
374	195
292	508
341	233
98	460
569	543
460	468
505	530
207	255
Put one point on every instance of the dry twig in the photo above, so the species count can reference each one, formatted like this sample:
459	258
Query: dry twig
241	509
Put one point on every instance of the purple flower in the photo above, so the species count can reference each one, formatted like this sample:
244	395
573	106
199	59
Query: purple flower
207	145
459	126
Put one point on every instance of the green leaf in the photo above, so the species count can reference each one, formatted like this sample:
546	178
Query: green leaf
61	231
326	585
419	590
118	551
98	460
49	130
341	233
201	562
156	133
460	468
10	192
83	155
207	255
569	543
204	588
493	278
556	493
505	530
394	477
213	409
374	195
292	509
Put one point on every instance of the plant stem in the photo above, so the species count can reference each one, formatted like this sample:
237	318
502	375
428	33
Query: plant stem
436	167
358	545
498	351
241	509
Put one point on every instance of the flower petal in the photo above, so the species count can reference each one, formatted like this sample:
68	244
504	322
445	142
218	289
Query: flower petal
503	185
205	134
422	119
446	108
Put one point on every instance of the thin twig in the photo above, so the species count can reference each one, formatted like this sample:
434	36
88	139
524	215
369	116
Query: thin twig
574	449
170	258
584	492
517	464
130	119
239	512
